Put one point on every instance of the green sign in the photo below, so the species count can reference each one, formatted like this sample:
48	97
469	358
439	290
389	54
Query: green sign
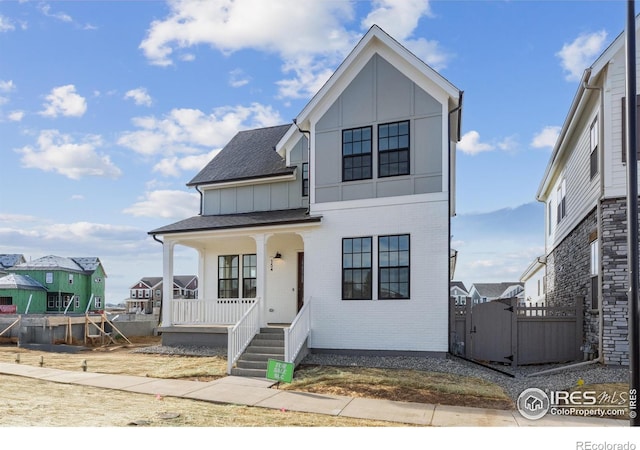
279	370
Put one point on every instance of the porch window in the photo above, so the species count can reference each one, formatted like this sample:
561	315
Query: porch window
228	276
393	149
356	154
393	266
356	268
249	275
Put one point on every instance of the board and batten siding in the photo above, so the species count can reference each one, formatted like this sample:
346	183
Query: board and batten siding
260	196
380	94
419	323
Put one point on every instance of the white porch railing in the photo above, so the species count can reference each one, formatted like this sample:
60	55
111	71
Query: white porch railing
241	334
297	333
223	311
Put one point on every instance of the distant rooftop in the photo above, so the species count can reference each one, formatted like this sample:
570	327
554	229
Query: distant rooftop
79	264
15	281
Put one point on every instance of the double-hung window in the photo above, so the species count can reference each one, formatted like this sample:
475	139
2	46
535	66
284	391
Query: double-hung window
356	154
562	203
593	148
305	179
393	266
249	275
356	268
393	149
228	276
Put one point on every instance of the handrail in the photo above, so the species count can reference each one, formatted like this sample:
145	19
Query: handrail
241	334
297	333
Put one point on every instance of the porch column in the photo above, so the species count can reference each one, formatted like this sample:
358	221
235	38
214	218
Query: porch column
167	283
261	274
202	270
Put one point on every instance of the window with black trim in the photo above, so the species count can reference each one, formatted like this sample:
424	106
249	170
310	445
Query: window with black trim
356	154
356	268
249	275
593	148
393	149
393	267
305	179
228	276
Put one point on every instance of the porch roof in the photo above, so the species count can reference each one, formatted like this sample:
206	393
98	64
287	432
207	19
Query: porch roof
243	220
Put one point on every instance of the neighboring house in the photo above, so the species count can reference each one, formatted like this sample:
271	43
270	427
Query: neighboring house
54	284
9	260
346	211
584	190
486	292
534	282
459	292
147	293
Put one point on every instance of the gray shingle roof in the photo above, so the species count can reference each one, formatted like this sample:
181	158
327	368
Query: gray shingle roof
51	262
250	154
15	281
459	284
244	220
10	260
494	290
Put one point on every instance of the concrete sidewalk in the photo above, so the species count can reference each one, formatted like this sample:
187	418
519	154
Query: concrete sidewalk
261	393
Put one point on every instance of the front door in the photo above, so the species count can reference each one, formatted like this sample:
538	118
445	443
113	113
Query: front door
300	280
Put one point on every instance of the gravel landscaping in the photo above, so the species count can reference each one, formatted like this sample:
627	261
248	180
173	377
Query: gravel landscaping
512	380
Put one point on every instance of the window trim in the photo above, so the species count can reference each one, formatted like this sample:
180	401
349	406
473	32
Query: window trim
406	149
561	194
408	267
342	254
255	279
305	179
352	156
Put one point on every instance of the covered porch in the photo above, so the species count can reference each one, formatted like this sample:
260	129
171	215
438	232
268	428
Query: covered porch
251	277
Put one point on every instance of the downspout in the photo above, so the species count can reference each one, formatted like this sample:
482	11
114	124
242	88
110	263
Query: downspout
295	122
201	197
457	109
600	357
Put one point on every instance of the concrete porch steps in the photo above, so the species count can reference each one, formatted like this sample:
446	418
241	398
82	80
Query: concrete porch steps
267	344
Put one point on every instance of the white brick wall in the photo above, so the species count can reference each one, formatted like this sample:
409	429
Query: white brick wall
417	324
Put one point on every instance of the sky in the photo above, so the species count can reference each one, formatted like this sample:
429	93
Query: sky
108	109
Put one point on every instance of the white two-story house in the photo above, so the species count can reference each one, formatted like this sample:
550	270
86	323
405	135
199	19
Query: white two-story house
584	189
339	221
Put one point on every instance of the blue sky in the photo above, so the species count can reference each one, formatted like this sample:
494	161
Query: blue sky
108	108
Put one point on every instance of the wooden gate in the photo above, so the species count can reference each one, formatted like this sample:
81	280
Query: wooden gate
492	332
501	331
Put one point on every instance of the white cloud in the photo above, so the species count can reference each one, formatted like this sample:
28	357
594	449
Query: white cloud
77	197
321	37
547	137
174	166
64	100
6	25
139	96
237	78
579	54
471	145
190	131
7	86
166	204
57	152
16	116
46	10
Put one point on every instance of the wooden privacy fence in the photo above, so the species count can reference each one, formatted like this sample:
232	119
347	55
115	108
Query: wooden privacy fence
502	331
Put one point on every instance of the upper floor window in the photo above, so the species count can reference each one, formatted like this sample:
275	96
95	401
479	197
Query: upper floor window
549	217
393	149
228	276
593	148
394	266
562	203
356	154
305	179
356	268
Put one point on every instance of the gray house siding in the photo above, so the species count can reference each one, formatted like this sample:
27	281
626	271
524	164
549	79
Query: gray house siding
380	94
260	197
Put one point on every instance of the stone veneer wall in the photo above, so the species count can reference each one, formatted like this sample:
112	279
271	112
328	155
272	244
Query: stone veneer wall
615	341
568	274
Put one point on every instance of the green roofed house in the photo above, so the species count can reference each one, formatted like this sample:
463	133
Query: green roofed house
54	284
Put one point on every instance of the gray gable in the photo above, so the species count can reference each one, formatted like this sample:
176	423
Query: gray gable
250	154
494	290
